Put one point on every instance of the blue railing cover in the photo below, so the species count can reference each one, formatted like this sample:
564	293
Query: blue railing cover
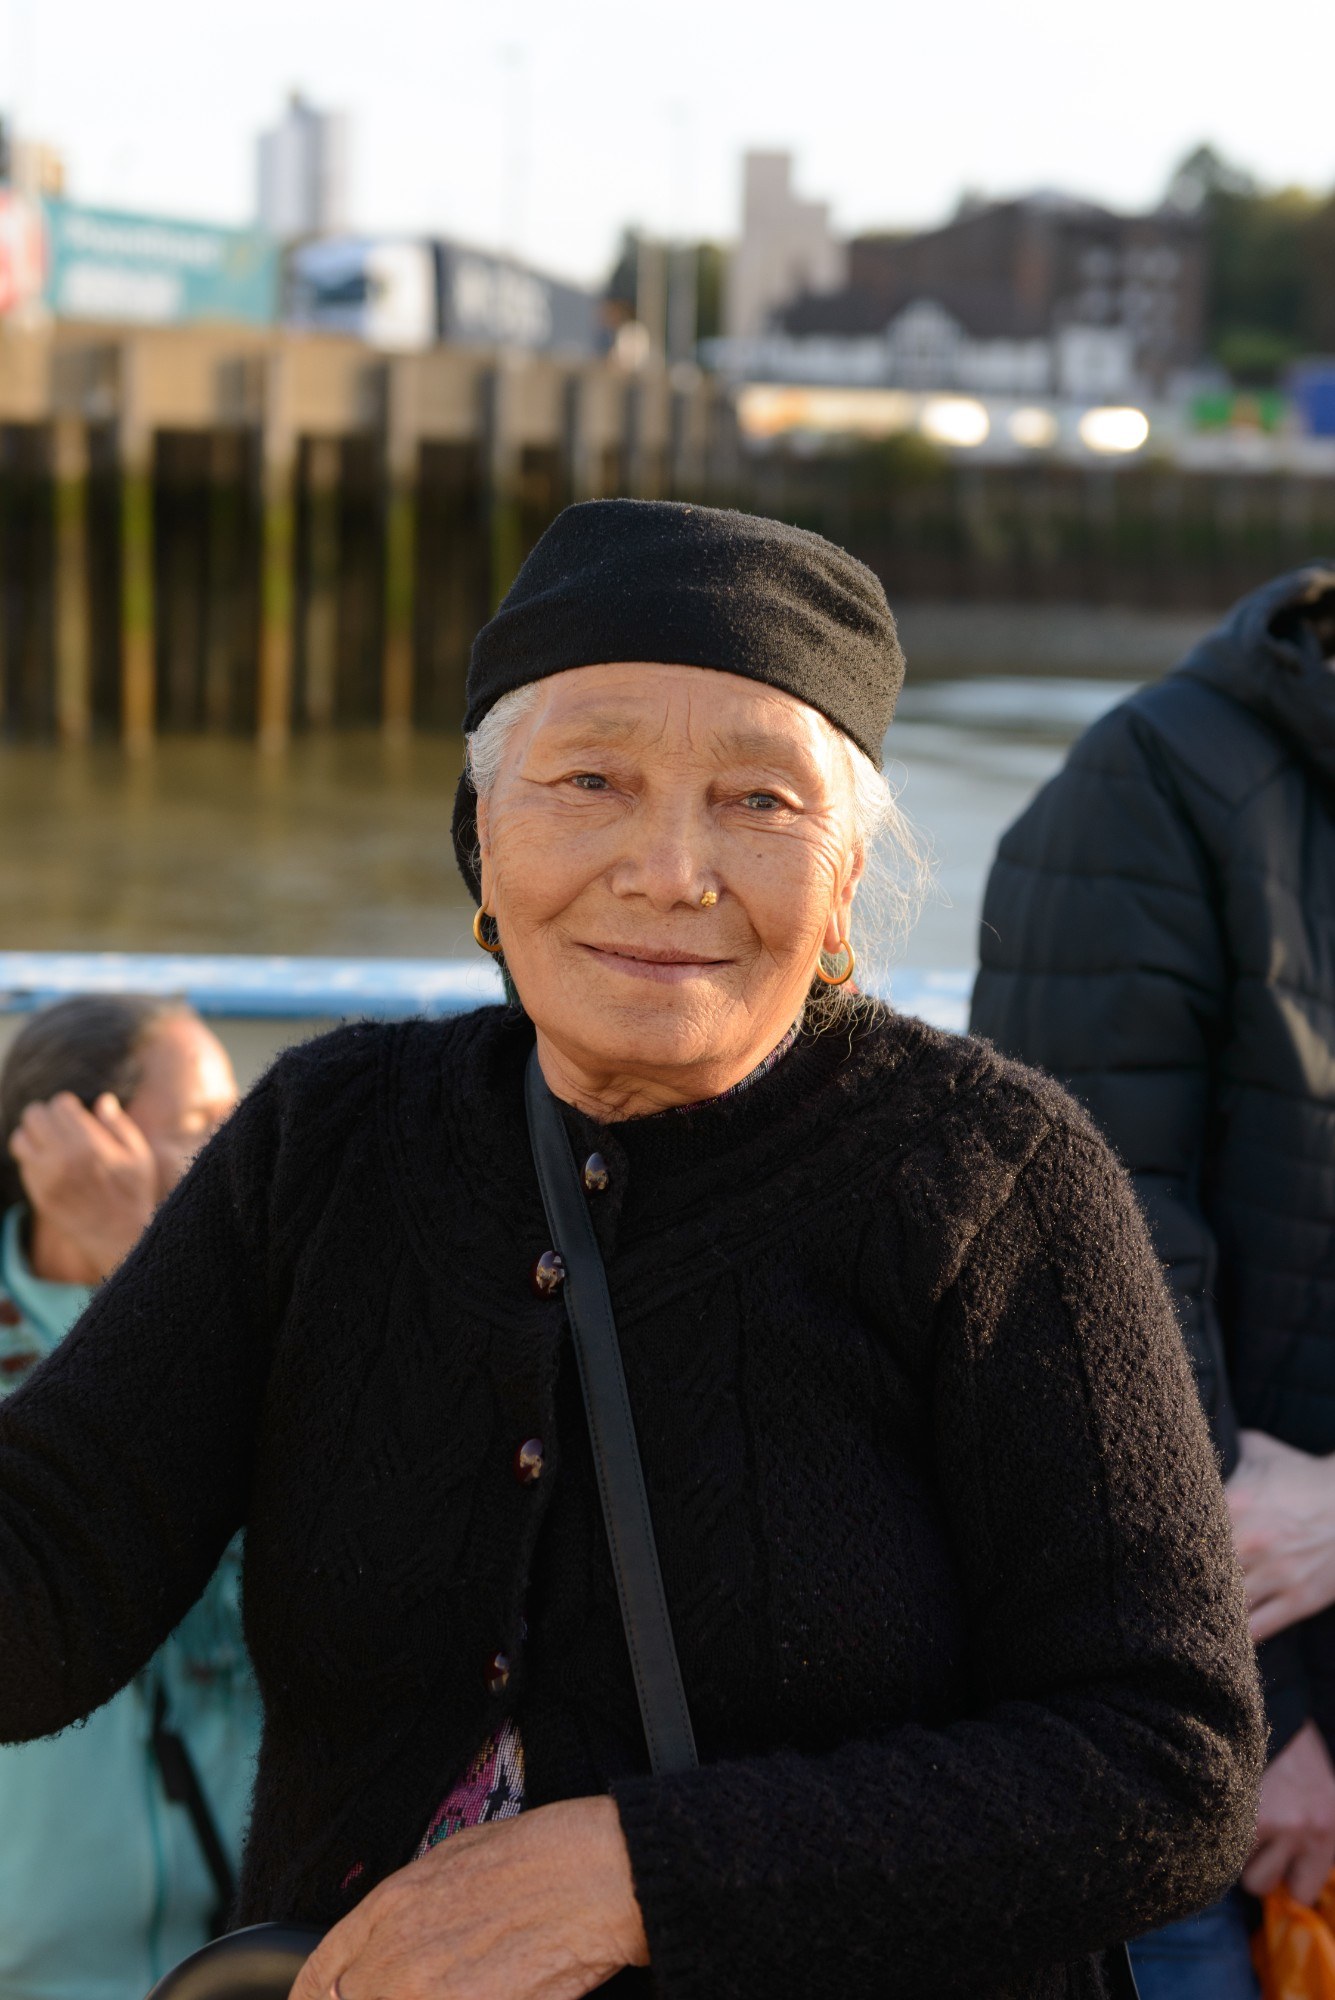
279	989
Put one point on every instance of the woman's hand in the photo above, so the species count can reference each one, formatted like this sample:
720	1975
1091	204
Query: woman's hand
1295	1828
89	1175
541	1907
1283	1506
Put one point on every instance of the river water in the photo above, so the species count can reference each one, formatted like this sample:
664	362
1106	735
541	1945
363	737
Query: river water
342	845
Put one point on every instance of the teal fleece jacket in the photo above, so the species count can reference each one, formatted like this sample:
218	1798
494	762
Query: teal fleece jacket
102	1883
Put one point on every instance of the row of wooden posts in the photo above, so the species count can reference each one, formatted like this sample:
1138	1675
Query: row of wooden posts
215	530
318	495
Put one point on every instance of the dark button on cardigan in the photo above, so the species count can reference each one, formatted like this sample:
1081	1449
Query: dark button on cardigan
939	1522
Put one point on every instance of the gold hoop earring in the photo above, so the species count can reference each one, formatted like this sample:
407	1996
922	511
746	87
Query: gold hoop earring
839	978
477	933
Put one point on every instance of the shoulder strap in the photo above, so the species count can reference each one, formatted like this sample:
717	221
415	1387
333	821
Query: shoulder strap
630	1531
1123	1986
181	1783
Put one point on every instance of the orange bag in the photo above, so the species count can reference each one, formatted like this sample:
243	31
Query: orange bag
1294	1950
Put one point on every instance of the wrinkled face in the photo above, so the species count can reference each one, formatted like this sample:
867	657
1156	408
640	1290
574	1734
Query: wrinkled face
625	794
186	1088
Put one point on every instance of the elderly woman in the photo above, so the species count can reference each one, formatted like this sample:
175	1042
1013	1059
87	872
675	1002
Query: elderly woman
940	1531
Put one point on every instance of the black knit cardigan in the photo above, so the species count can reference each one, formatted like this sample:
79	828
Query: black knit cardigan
938	1517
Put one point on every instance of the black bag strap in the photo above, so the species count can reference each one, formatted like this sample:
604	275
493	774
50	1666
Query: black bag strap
616	1454
1124	1985
181	1783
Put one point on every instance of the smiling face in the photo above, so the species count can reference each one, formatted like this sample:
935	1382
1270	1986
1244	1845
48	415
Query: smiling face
626	793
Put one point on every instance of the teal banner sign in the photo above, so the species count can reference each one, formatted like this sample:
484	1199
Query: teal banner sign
106	264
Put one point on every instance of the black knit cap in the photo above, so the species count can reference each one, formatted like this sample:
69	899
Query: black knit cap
663	581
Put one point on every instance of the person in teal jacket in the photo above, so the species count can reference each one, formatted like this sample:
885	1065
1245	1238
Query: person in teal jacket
104	1881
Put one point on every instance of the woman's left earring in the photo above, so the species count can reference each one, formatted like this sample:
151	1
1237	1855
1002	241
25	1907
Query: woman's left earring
842	978
480	938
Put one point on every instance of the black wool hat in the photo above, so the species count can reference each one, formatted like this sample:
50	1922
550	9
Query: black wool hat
663	581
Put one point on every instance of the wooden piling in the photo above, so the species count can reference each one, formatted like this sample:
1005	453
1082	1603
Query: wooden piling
400	605
138	667
69	464
400	473
501	457
134	447
226	462
6	561
274	698
277	555
320	609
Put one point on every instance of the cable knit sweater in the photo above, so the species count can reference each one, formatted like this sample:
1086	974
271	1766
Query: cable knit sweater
938	1518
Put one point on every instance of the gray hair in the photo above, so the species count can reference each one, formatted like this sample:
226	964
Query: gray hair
897	863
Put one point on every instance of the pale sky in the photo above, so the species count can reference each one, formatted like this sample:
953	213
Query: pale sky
544	125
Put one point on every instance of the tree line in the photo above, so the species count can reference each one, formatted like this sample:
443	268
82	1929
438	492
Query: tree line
1270	266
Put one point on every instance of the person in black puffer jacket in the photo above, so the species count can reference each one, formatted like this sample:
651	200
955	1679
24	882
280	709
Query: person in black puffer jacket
1159	932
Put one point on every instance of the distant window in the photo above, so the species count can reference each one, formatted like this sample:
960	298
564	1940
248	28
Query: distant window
357	288
1095	305
1098	265
1138	304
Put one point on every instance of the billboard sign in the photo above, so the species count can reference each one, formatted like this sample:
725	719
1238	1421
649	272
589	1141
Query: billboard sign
21	252
1313	384
495	302
1239	410
105	264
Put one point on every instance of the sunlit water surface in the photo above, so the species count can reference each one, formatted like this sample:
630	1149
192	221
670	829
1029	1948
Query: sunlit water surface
342	846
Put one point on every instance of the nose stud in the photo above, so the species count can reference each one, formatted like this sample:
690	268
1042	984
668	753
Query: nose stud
708	900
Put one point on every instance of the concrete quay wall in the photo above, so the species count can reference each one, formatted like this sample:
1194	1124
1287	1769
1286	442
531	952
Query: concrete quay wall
225	527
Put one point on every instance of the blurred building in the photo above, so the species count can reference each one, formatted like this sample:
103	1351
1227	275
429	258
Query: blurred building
303	172
1047	268
37	169
786	250
30	166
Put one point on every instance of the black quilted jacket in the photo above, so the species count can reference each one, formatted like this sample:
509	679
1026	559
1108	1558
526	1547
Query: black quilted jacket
939	1521
1159	932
